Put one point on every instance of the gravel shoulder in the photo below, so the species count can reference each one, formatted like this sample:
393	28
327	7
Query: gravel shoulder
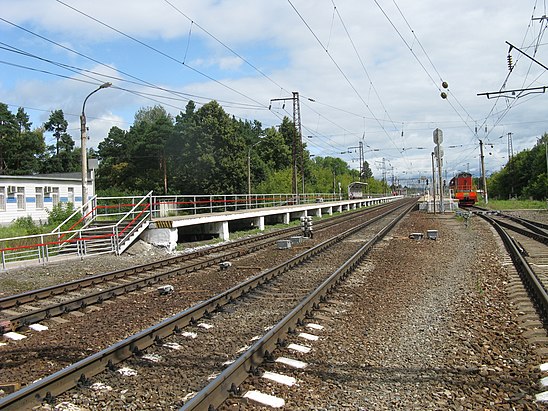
422	325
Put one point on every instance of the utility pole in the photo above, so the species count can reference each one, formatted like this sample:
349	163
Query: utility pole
484	181
83	135
384	175
297	122
546	151
361	157
296	135
510	148
438	151
433	185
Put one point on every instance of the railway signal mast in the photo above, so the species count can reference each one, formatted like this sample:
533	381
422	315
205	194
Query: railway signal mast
438	151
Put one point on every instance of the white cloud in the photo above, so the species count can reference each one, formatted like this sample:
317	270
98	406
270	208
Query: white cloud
464	40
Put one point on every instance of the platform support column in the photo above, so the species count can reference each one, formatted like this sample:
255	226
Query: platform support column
259	223
287	218
224	234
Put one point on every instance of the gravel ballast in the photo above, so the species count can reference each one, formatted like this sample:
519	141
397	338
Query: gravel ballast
421	325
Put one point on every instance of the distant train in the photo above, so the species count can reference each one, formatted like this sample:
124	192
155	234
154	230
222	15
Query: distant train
462	189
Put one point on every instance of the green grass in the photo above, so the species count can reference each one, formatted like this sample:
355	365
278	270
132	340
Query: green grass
514	204
16	231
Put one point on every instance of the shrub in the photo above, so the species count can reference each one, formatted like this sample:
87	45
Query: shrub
26	225
60	213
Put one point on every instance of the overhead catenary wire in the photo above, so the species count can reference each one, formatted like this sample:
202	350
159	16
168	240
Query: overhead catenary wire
437	84
513	103
173	58
193	30
341	71
101	76
156	50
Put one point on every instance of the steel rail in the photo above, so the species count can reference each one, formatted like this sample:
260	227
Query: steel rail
534	226
17	321
226	383
79	373
76	285
534	229
531	234
532	283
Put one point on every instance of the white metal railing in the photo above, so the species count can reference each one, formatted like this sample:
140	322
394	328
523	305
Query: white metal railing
81	239
42	248
132	222
113	222
179	205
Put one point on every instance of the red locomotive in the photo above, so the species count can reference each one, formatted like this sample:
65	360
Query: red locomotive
462	189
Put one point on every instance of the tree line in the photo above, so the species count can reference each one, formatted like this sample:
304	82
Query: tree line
199	151
23	151
525	175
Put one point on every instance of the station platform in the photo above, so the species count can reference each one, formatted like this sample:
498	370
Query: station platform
167	231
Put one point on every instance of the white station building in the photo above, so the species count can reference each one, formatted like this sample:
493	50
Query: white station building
35	195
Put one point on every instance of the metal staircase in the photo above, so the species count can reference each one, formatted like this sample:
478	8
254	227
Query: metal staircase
105	228
110	227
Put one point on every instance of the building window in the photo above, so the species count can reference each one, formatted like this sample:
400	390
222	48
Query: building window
2	198
55	196
39	198
71	195
20	198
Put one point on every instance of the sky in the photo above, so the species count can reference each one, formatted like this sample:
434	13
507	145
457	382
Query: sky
368	71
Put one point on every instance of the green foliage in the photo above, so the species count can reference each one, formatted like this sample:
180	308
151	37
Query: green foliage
60	213
61	157
20	148
524	176
276	182
202	151
26	225
21	227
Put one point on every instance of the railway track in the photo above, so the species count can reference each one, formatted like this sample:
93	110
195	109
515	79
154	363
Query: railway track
526	242
31	307
175	358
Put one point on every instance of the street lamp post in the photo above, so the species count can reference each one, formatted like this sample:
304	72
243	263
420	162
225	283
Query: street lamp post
83	148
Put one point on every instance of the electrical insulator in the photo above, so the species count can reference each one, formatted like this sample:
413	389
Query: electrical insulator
510	65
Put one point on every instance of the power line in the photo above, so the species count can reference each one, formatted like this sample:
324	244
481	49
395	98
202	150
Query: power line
156	50
340	69
419	61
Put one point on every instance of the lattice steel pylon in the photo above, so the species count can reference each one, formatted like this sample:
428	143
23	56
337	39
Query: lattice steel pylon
299	137
296	135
